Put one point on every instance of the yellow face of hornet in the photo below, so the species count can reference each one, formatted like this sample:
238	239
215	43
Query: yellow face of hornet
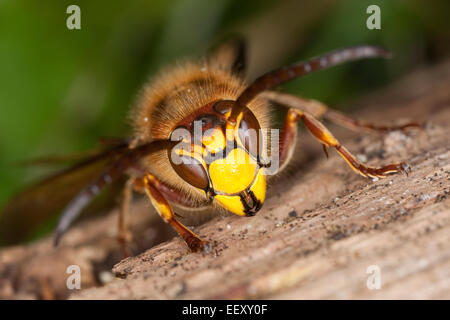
238	182
226	165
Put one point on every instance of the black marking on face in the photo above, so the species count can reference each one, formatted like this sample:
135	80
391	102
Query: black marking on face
251	204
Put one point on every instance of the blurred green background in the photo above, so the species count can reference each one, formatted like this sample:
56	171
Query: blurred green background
60	89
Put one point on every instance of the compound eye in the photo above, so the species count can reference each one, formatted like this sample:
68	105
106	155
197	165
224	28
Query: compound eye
224	106
190	170
249	130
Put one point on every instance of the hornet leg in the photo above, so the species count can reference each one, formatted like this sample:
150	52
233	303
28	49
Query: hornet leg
324	136
162	206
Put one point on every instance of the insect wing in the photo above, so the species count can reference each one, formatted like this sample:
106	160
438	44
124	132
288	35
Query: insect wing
231	55
31	207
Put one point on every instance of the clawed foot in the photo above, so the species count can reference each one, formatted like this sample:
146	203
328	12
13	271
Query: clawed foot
372	172
198	245
382	172
405	168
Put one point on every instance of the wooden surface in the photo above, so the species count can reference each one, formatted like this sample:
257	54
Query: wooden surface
318	232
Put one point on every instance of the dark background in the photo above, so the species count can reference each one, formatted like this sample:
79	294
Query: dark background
60	89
